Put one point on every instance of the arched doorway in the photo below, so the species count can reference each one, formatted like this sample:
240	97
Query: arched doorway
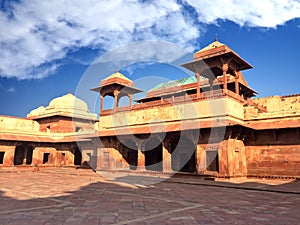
23	155
153	154
183	155
77	157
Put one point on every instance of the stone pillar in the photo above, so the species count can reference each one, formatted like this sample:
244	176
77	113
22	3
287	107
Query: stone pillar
141	156
116	93
166	157
130	100
25	156
200	160
223	158
69	158
211	87
101	103
9	156
198	85
37	156
225	69
237	88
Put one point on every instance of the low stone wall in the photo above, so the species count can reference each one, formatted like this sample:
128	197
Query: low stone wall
276	160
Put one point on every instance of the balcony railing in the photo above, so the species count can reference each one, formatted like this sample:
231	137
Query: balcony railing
208	95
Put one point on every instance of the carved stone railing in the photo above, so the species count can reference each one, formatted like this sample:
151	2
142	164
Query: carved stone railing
208	95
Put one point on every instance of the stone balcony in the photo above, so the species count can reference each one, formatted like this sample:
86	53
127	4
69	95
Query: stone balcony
208	106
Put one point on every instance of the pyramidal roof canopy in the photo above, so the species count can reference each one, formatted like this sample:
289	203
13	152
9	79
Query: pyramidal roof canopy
213	45
116	81
214	54
116	77
213	49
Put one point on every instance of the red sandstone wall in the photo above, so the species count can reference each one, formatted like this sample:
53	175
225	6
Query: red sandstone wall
64	125
274	153
280	160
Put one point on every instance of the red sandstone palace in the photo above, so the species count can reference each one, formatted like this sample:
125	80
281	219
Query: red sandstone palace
208	124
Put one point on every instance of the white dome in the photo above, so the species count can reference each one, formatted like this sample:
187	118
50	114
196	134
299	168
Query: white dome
37	111
66	105
68	101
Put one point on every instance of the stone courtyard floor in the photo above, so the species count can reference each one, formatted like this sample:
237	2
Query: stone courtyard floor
69	196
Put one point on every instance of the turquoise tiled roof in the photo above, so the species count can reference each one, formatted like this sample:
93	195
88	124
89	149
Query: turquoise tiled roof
176	83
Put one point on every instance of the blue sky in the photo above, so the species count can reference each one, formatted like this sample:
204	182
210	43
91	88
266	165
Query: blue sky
46	47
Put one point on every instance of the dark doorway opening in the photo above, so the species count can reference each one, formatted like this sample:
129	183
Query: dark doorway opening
63	159
129	152
183	155
212	161
188	162
46	158
153	154
2	157
23	154
29	156
77	157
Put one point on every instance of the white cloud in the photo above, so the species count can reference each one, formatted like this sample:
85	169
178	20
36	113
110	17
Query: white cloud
11	89
42	32
262	13
36	34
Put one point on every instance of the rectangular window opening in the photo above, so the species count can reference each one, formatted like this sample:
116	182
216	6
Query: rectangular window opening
46	158
1	157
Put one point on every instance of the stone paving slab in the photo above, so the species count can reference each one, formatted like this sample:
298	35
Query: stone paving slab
68	196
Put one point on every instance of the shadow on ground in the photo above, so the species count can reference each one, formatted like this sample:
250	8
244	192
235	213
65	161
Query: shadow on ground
168	202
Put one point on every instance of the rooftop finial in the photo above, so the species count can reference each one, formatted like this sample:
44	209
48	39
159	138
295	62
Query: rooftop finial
216	37
117	71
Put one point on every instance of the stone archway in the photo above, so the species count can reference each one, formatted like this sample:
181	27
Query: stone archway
23	154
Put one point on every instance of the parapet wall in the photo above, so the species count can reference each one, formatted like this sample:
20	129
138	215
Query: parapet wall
284	104
277	107
200	110
18	124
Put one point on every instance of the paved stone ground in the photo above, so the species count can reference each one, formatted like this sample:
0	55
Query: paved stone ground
68	196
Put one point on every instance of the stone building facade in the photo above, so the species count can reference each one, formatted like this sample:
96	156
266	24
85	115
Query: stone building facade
208	124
